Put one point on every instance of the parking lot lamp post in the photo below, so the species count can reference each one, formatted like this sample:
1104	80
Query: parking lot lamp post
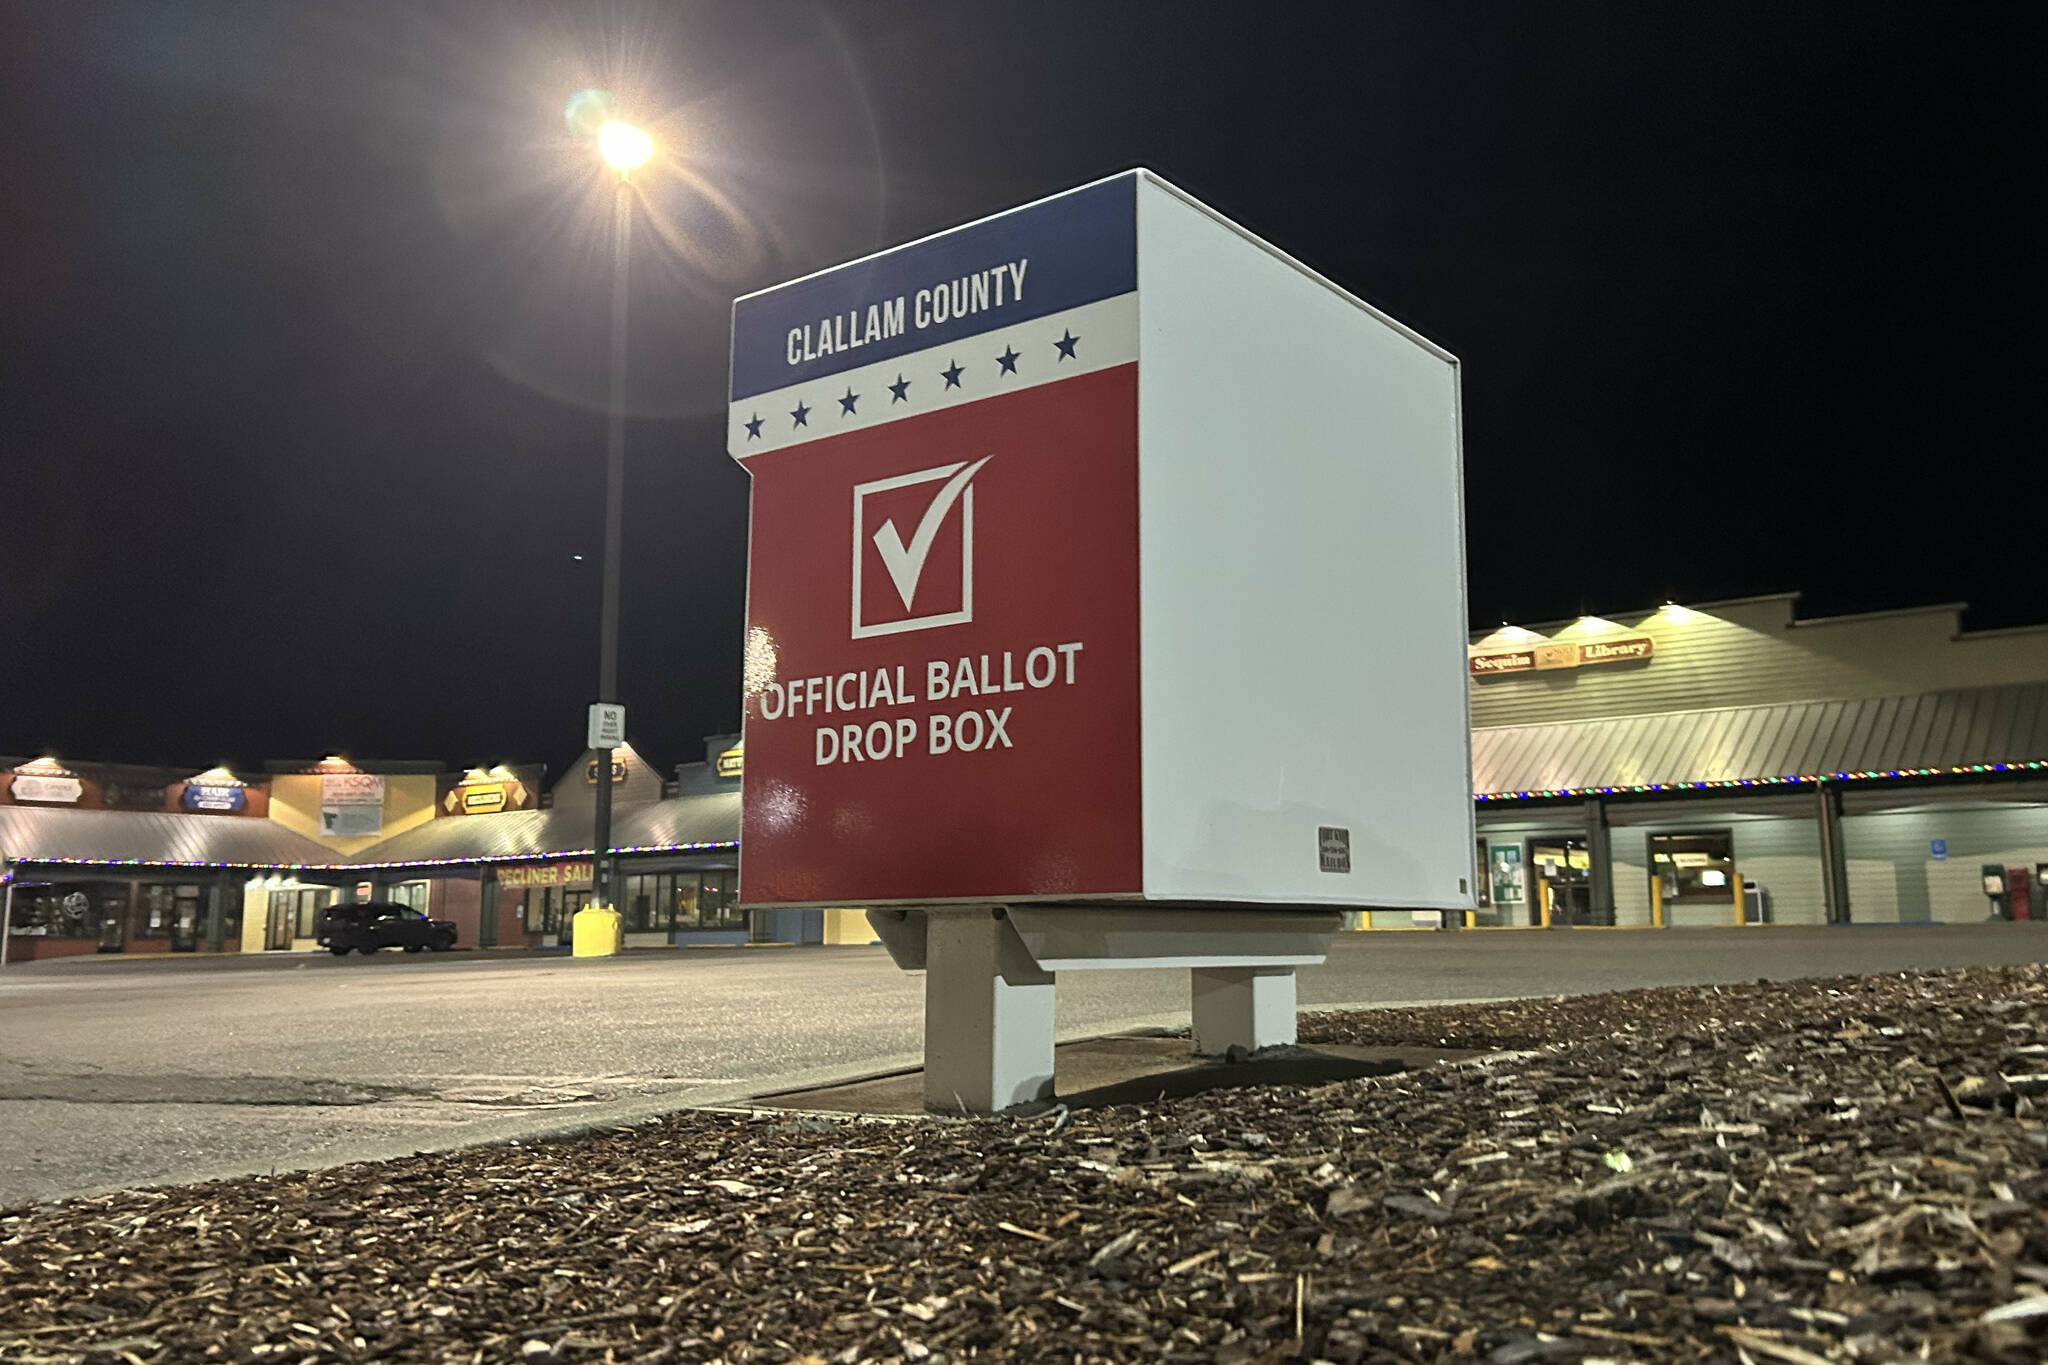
624	148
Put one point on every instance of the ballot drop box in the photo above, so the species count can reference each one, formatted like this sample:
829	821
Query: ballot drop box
1105	608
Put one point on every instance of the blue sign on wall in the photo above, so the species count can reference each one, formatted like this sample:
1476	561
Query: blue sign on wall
1937	849
207	797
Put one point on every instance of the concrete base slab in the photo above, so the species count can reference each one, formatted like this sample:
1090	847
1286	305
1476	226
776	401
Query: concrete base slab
1128	1069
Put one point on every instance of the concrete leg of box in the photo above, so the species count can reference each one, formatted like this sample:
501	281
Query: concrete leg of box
988	1015
1247	1007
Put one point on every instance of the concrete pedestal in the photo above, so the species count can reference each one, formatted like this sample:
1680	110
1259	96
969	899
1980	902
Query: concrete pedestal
989	975
988	1015
1247	1007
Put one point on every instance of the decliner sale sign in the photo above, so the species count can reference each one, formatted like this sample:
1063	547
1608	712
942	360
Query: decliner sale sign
994	475
942	578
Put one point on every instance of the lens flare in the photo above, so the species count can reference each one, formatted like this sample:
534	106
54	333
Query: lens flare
588	111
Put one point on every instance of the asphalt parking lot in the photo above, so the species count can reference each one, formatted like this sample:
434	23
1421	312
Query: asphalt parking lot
118	1072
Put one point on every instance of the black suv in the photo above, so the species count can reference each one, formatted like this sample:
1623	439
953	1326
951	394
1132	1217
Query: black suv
367	926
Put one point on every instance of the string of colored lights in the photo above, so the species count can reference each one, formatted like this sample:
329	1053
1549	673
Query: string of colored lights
492	859
1788	780
723	845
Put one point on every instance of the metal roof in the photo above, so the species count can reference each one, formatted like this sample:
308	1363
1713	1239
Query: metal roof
682	822
33	834
1933	734
160	838
677	825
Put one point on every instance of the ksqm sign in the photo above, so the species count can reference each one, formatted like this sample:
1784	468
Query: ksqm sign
943	569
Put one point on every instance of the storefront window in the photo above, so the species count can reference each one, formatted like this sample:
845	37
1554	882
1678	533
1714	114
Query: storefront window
649	902
301	908
657	902
67	909
539	913
1505	880
153	912
1696	868
717	899
412	894
695	900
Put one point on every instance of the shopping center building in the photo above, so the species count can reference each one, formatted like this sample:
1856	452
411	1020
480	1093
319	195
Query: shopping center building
140	860
1726	763
1730	761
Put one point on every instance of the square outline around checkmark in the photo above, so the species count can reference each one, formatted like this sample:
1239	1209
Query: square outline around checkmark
862	631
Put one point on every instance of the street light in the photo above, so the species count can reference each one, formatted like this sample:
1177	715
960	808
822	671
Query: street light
624	148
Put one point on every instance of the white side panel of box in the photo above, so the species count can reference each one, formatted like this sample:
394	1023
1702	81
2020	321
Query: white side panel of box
1302	570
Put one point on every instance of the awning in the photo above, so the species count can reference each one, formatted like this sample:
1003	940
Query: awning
681	825
117	838
1932	734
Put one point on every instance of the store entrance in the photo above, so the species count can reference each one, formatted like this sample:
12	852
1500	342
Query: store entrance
114	928
572	901
1564	882
277	929
188	914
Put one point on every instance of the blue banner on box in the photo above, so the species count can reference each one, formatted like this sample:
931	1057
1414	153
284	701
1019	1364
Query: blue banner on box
1041	259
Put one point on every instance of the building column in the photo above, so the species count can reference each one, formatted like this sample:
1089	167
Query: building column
216	912
1599	862
1834	855
487	908
988	1014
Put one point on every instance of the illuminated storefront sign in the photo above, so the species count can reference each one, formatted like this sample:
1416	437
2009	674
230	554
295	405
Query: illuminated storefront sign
58	790
351	804
1557	654
485	798
201	796
545	874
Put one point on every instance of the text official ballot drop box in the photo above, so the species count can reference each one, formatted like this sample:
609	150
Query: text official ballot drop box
1102	556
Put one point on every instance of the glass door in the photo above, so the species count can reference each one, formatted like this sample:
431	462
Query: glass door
1564	881
188	914
277	925
113	922
572	901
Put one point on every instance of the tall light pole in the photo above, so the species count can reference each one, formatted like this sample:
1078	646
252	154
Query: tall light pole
624	148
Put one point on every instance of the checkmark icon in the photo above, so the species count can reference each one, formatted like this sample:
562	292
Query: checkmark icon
905	563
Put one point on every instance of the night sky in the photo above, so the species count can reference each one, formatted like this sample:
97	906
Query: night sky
302	315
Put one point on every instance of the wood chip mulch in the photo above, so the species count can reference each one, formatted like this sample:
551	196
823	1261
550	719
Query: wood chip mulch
1846	1170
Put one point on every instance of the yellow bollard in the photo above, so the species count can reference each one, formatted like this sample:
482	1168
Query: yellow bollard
1735	880
1543	899
597	931
1656	901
